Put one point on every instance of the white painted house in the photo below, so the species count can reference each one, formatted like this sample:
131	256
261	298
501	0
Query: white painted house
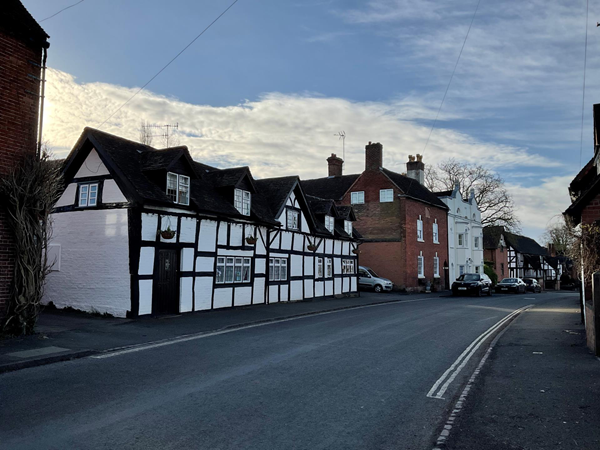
465	234
142	231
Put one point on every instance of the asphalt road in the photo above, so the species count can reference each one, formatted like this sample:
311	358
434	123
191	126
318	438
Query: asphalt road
343	380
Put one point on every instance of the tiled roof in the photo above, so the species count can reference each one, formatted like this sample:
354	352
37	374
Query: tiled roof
161	159
491	237
331	187
276	191
444	193
414	189
15	20
524	245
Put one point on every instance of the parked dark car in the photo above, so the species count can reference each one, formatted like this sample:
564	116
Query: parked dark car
532	285
472	283
507	285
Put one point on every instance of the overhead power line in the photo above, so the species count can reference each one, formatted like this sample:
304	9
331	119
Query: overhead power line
169	63
451	76
64	9
587	8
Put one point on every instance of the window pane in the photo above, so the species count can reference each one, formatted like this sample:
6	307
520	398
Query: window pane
184	190
276	270
271	269
220	270
172	187
83	193
246	271
229	271
283	273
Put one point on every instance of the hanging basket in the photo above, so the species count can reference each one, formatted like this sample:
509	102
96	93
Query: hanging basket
251	240
356	251
167	234
311	247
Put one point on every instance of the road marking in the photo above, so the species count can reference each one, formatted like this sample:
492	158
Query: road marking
445	433
457	366
192	337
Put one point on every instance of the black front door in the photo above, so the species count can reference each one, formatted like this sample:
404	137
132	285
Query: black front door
166	287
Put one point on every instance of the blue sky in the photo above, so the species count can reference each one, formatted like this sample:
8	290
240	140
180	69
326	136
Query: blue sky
273	79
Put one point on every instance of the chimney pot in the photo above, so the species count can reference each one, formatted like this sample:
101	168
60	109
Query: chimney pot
416	169
335	165
373	156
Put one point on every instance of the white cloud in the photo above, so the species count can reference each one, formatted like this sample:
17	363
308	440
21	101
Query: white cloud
276	134
294	134
538	206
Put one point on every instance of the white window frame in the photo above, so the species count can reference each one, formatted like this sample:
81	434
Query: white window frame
357	197
436	266
436	239
386	195
182	186
348	227
238	265
292	219
420	230
320	268
461	269
242	201
278	269
461	239
85	199
329	223
348	266
476	242
328	267
420	266
477	269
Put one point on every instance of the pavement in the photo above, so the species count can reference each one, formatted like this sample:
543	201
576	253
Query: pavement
66	335
540	388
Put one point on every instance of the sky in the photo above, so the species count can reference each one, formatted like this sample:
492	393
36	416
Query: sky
271	83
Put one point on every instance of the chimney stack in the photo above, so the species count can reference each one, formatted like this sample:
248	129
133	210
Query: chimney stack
416	169
373	156
335	165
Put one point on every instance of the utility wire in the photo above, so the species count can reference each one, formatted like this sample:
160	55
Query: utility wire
168	64
452	76
64	9
584	70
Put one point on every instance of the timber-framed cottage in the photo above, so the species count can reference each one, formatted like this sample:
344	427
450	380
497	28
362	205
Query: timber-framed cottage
142	231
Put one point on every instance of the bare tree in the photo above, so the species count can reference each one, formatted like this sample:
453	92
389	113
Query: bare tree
145	133
29	193
495	203
560	235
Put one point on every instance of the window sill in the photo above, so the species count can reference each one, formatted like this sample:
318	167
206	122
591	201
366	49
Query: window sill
421	276
436	276
420	240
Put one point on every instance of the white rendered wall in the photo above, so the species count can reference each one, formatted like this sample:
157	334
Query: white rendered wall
92	167
68	197
111	193
94	271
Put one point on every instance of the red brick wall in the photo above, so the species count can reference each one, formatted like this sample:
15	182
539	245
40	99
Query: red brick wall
390	232
18	131
414	248
496	257
591	212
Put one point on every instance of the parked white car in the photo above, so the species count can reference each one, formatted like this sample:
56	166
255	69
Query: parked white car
367	278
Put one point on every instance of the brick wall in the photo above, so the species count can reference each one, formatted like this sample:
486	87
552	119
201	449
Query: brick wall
390	232
18	131
497	258
428	213
591	212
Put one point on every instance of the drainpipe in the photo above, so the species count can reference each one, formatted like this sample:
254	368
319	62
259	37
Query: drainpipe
45	46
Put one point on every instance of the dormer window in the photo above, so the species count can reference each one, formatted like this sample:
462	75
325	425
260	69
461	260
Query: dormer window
329	223
293	219
242	202
178	188
88	195
348	227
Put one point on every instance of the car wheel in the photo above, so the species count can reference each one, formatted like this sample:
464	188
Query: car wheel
478	293
490	291
378	288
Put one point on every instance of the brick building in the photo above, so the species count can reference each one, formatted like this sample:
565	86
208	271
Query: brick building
404	225
22	46
495	253
585	210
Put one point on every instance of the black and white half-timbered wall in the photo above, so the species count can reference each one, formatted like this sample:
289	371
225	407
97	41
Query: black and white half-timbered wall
142	231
